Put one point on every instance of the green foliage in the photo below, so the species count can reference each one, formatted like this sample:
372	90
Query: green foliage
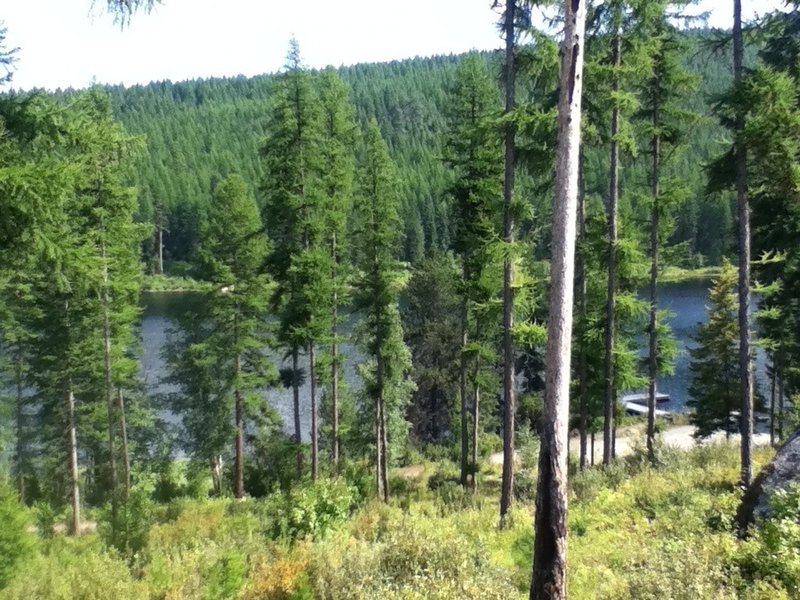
16	543
310	510
127	527
714	387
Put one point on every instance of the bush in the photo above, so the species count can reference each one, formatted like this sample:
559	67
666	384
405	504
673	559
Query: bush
128	530
525	486
75	569
311	509
443	475
16	544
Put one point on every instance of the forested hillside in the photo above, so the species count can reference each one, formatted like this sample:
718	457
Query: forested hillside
198	132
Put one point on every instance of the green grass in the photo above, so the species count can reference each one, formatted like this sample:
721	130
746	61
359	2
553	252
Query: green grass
636	532
677	274
171	283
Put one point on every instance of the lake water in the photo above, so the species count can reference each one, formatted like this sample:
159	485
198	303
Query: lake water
686	301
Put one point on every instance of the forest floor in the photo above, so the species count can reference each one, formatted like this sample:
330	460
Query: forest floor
636	532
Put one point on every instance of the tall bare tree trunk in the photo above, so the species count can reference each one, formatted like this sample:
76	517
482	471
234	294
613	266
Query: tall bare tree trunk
462	388
743	205
109	389
238	466
312	373
609	424
296	406
549	579
583	375
334	364
509	378
72	458
123	426
654	225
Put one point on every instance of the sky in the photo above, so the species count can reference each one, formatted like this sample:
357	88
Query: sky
70	43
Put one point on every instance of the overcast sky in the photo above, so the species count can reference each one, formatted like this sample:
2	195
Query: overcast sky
64	43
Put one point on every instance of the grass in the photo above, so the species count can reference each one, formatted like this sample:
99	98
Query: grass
171	283
636	532
678	274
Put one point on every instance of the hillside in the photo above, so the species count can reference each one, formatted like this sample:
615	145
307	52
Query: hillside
202	130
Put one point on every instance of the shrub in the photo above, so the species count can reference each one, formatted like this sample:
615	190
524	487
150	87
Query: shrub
75	569
525	486
311	509
279	575
16	544
444	474
127	531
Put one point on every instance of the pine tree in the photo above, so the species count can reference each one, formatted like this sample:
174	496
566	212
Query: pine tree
714	388
475	158
233	251
338	134
300	260
377	288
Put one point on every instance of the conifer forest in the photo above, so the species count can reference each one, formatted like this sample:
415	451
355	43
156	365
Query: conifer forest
512	323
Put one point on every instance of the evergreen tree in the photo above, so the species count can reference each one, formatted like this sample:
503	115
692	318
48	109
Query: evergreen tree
474	154
300	260
232	251
337	166
714	387
377	288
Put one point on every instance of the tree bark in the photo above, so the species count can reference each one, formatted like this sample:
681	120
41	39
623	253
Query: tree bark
613	200
780	400
238	466
476	410
72	458
20	426
123	425
334	364
462	388
109	389
583	375
549	578
772	379
296	406
654	225
312	373
509	378
382	462
743	206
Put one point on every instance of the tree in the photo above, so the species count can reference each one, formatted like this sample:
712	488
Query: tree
377	287
714	387
233	251
666	122
473	153
337	171
743	212
549	578
300	261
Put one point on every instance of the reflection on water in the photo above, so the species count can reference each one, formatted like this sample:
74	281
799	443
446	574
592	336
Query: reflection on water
686	301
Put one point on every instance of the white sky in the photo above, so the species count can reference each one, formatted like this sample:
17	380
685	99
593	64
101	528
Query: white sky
65	44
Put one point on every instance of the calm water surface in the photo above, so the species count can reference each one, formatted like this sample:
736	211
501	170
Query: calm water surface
686	302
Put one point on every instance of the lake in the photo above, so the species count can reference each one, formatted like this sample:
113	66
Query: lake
686	301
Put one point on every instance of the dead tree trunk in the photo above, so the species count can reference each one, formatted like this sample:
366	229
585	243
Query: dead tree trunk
549	579
583	375
238	466
462	388
72	458
334	363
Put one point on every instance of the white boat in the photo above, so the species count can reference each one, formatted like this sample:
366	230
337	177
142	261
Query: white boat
642	398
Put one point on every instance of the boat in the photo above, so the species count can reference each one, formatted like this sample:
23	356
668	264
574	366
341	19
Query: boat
642	398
